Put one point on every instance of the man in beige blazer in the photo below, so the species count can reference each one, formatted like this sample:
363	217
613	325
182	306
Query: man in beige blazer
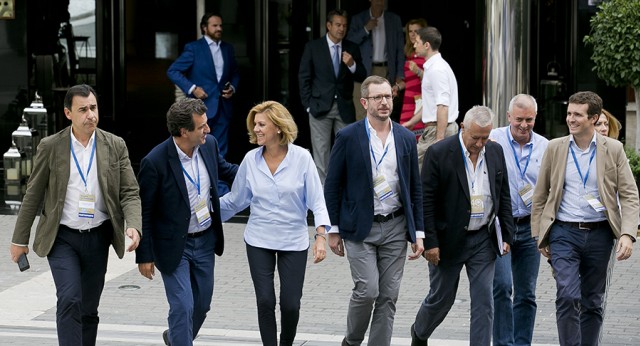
585	197
83	177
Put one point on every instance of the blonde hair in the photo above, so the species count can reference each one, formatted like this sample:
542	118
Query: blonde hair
614	124
279	116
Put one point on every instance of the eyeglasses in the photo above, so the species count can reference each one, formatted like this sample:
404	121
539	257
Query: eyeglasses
378	98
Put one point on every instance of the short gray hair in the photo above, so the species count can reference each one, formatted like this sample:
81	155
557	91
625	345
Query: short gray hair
521	102
480	115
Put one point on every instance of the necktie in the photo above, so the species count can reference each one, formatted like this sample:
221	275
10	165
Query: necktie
336	59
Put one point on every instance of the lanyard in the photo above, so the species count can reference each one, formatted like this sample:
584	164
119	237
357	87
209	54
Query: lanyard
93	151
466	167
515	156
366	126
196	184
575	161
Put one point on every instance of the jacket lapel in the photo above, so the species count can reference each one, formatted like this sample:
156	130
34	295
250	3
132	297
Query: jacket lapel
102	161
176	168
63	161
601	154
207	157
363	140
459	166
209	55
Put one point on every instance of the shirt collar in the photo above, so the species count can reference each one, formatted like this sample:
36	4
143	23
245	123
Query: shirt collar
181	155
331	44
373	131
210	41
593	140
75	140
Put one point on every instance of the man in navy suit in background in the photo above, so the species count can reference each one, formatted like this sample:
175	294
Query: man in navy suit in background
328	68
207	70
381	39
374	200
181	217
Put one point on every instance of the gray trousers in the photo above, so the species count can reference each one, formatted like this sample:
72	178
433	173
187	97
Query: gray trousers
479	259
322	131
377	265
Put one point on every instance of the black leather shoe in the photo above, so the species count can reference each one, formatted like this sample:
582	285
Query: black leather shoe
414	338
165	337
344	342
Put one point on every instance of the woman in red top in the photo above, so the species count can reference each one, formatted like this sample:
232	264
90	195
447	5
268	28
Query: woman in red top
413	70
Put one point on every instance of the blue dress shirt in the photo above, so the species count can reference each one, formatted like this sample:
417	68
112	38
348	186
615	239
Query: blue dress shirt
279	202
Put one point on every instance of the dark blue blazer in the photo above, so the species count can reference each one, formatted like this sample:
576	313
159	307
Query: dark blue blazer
348	189
195	66
394	36
165	202
447	201
319	86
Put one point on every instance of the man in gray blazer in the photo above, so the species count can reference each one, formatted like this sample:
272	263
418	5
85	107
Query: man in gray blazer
84	178
379	35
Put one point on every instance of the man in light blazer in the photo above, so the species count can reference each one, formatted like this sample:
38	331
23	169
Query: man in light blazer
181	217
380	36
585	197
83	178
374	201
465	185
328	69
203	70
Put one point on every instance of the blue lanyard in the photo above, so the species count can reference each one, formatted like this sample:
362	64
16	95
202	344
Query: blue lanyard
515	156
196	184
93	151
466	166
575	161
366	126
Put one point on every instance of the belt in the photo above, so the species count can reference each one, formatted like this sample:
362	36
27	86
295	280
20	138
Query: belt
380	64
197	234
384	218
434	123
584	225
88	230
522	219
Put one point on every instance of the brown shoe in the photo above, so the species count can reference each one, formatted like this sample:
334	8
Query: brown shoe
415	341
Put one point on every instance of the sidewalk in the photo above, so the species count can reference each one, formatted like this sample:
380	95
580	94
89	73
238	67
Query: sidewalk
133	309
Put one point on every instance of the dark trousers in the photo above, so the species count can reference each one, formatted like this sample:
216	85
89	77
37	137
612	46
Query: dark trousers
579	258
291	269
478	256
189	289
78	263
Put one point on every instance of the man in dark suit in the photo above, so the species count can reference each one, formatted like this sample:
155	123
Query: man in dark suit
374	201
181	217
328	68
380	37
83	179
465	187
207	70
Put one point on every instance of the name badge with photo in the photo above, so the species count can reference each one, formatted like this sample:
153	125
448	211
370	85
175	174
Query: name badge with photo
87	206
382	187
202	213
477	206
594	203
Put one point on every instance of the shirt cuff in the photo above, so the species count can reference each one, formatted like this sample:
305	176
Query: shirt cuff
193	87
333	229
23	245
352	68
420	234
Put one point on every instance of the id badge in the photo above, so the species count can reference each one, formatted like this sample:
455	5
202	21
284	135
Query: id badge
87	205
594	203
477	207
526	194
202	213
382	187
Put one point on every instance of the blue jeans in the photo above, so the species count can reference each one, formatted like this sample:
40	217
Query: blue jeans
580	258
189	289
513	321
